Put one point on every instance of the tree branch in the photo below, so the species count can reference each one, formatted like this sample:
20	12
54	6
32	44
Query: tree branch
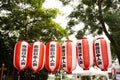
35	20
101	19
113	42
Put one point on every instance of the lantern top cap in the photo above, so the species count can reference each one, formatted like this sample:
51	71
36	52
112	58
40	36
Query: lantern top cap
38	41
100	38
53	41
83	38
68	41
24	40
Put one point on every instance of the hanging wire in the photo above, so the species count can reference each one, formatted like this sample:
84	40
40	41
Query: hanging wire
26	36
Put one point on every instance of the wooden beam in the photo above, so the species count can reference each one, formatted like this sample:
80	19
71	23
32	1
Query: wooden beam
2	69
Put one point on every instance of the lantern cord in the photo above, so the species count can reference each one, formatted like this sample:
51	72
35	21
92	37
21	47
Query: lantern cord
25	25
54	37
26	30
18	76
33	76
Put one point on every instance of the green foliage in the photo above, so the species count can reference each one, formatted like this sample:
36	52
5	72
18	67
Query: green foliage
65	2
89	2
28	20
87	12
66	78
79	34
98	16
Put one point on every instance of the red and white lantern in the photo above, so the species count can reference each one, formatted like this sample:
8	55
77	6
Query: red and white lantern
113	71
102	54
69	58
37	56
21	52
85	53
53	56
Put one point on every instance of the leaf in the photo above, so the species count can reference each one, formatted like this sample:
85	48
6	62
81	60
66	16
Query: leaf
30	21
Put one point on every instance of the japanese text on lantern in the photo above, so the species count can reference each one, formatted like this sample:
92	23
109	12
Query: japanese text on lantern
52	55
80	53
98	54
63	56
23	55
35	55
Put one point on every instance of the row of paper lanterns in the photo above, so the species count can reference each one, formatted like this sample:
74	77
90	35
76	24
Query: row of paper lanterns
53	55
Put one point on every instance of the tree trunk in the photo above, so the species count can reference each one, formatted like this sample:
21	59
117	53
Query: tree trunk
110	37
117	52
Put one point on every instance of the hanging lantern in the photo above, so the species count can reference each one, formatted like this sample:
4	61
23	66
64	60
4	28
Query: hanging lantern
69	58
85	53
102	54
113	71
21	52
53	56
37	56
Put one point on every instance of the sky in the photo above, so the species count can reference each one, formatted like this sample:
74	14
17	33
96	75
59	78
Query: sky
62	19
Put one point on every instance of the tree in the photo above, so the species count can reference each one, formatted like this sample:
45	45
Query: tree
98	16
28	20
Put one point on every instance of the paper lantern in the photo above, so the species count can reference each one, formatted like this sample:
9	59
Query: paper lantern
53	56
113	71
37	56
21	52
102	54
69	58
85	53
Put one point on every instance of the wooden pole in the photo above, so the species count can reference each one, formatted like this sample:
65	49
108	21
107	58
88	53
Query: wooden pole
2	70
